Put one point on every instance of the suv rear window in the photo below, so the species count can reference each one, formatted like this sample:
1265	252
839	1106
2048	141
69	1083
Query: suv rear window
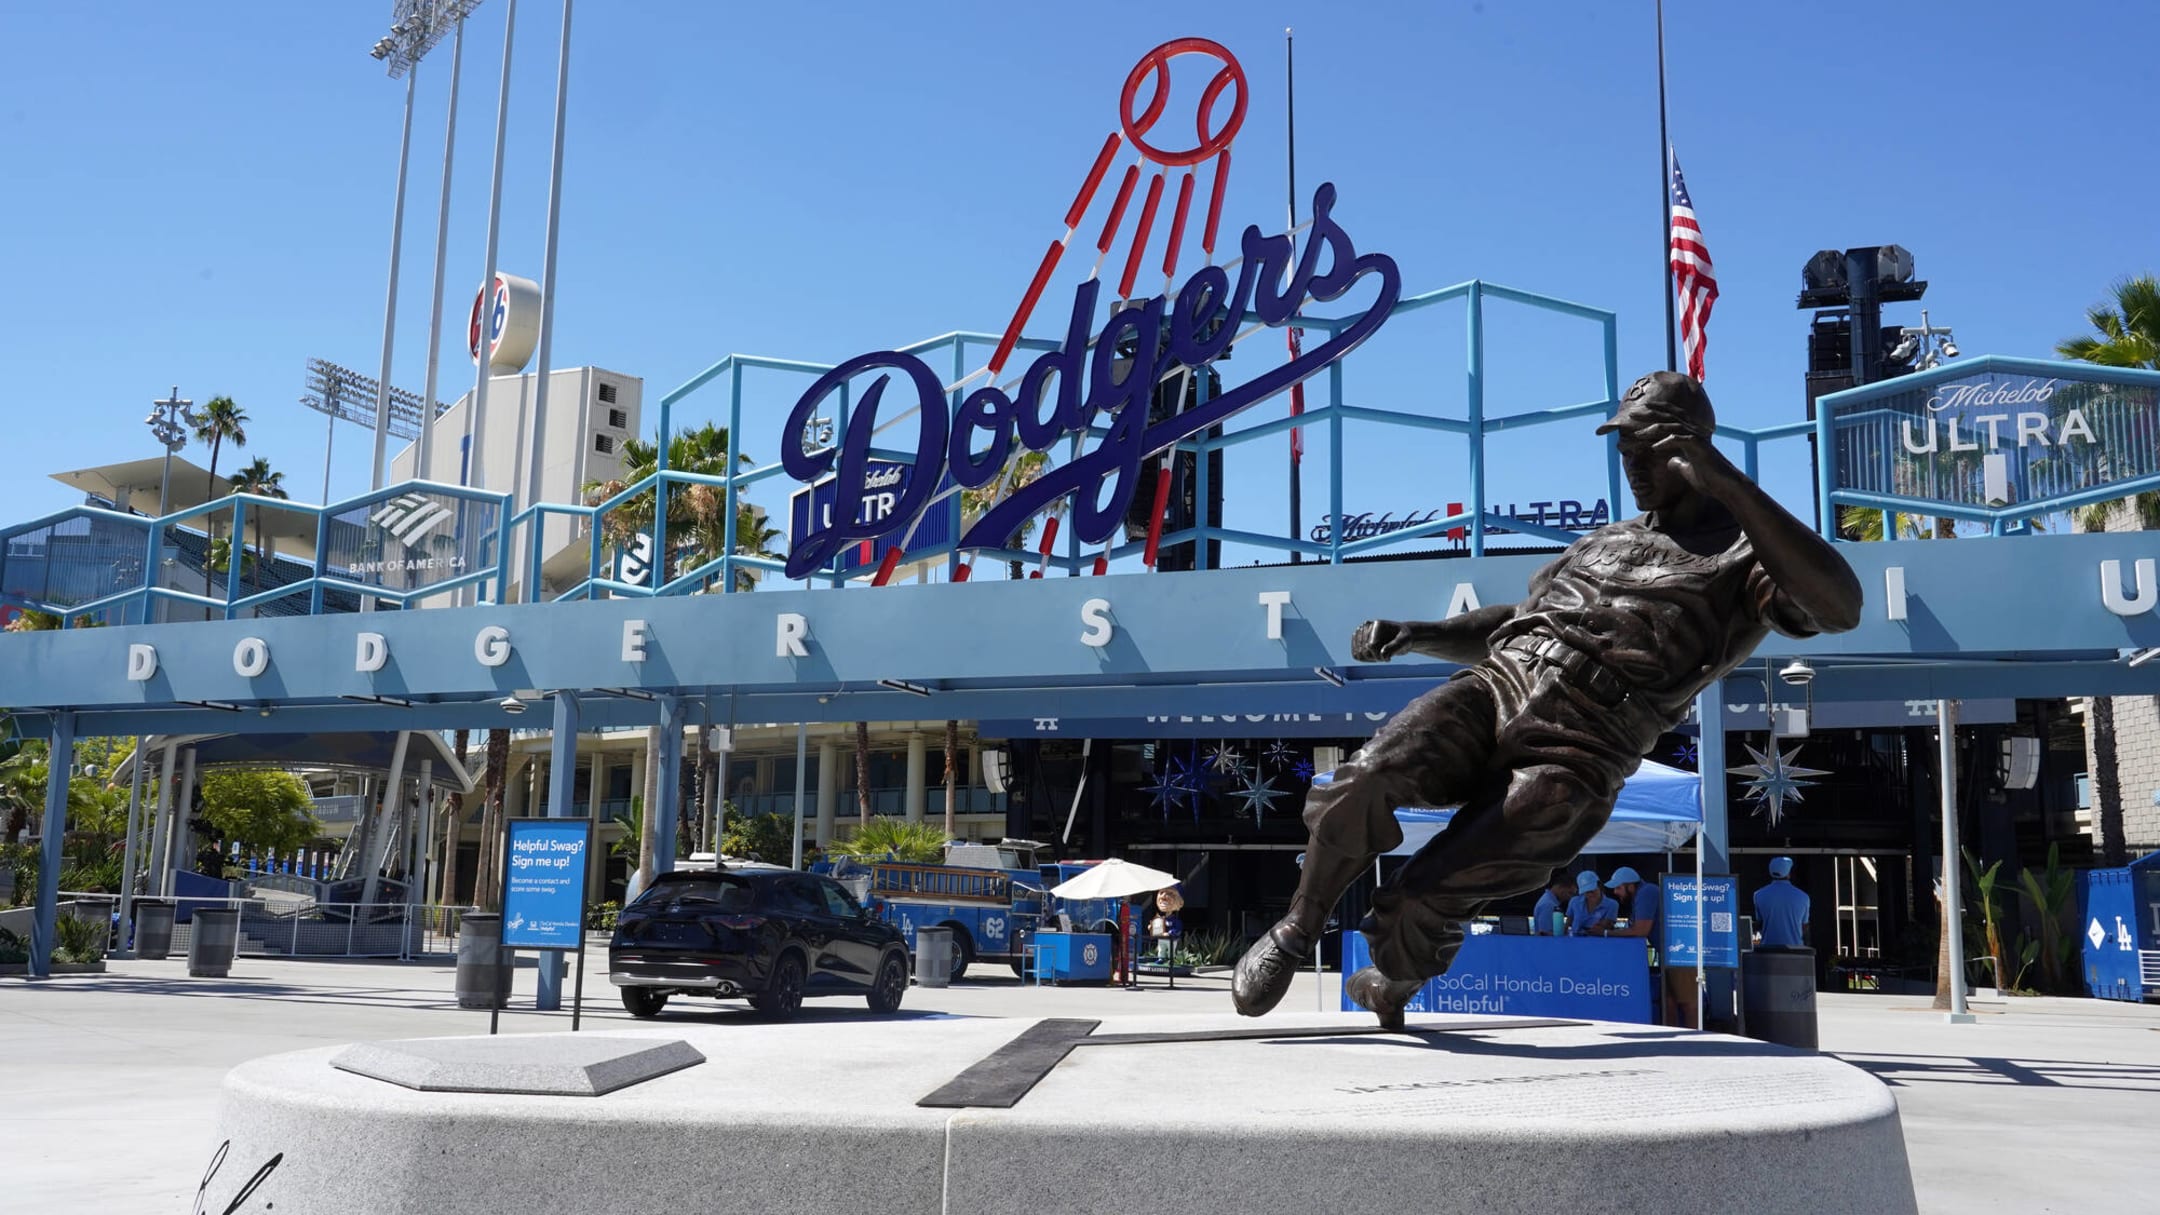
726	890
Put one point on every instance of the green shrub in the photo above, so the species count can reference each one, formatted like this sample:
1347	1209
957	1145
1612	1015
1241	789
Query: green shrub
80	941
14	951
600	917
923	843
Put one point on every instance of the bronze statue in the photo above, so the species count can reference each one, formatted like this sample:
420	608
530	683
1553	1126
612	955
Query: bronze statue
1560	697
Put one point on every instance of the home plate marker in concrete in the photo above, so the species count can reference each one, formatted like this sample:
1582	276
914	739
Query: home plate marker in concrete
1211	1115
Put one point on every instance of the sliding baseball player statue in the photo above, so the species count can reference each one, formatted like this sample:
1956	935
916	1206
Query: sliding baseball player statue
1560	697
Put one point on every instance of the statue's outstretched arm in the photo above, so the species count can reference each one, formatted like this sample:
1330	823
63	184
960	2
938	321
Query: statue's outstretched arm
1465	639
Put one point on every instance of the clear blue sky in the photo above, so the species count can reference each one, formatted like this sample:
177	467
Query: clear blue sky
200	194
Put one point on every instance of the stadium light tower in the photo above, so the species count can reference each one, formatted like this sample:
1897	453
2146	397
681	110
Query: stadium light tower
170	421
415	27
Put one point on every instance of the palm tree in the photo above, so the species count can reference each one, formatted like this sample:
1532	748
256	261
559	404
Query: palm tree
862	772
220	420
2128	335
1020	471
697	513
257	478
952	777
2128	330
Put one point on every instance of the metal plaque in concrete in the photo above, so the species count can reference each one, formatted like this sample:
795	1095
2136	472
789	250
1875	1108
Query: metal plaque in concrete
548	1065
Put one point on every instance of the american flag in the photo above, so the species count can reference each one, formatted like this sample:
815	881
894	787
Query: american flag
1693	277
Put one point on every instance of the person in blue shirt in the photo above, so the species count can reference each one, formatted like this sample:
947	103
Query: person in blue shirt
1558	890
1643	901
1590	914
1781	909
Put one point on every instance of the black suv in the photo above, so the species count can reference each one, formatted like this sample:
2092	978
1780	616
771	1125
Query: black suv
771	935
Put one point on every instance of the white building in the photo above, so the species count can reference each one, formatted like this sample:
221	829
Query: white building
591	413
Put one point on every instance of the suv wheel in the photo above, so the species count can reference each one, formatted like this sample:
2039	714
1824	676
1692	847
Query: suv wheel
782	997
892	984
644	1002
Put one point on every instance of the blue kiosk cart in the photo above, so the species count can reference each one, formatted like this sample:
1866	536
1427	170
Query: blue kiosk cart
1605	978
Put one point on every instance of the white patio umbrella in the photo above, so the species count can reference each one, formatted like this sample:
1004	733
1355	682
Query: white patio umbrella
1114	879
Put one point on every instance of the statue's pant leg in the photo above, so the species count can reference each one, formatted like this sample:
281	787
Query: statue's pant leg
1503	844
1430	754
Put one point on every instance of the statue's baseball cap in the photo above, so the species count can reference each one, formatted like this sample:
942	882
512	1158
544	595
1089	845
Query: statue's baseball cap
1664	396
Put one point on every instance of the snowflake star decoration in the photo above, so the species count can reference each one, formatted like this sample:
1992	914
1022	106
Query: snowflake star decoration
1773	778
1259	796
1686	753
1280	754
1225	759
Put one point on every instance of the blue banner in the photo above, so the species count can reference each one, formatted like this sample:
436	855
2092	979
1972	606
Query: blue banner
1596	978
544	887
1719	913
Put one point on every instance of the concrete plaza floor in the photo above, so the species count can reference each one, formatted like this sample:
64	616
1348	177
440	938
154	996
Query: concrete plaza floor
111	1081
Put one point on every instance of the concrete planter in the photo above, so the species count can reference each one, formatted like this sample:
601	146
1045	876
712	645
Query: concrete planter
14	968
78	968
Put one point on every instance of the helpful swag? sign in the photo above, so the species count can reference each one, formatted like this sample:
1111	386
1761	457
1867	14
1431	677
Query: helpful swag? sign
1096	378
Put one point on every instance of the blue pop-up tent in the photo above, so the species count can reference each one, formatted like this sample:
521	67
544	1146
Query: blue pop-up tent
1658	810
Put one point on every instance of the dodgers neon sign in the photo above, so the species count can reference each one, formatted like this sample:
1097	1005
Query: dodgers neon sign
1085	382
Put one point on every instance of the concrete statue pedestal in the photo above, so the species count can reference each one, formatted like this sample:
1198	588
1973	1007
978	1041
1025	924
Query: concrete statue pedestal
1197	1115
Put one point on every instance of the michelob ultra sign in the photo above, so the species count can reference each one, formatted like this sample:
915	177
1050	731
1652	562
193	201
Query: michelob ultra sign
1995	432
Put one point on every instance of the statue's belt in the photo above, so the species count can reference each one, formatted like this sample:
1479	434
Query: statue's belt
1583	670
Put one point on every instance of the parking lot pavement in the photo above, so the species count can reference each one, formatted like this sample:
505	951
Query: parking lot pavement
112	1080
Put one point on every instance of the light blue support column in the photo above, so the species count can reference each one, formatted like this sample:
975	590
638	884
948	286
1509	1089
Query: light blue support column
562	775
1612	393
58	761
1335	433
1477	417
670	791
234	554
1715	840
1710	762
733	498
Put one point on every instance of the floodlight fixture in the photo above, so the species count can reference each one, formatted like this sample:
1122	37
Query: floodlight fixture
902	685
415	27
346	394
1949	349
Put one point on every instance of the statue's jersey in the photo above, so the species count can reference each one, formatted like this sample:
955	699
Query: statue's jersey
1663	618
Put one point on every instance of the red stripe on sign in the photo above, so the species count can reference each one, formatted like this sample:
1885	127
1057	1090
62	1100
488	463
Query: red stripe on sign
886	567
1094	179
1214	204
1155	517
1027	305
1117	209
1140	237
1177	225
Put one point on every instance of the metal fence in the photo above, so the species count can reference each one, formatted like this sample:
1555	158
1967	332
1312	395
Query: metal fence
279	928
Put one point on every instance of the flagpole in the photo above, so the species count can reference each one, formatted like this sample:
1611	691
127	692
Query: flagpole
1672	357
1297	488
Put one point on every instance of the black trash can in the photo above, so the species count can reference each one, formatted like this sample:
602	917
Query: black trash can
213	942
483	971
1777	992
153	928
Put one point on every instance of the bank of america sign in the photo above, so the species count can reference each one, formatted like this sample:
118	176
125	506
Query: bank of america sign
413	540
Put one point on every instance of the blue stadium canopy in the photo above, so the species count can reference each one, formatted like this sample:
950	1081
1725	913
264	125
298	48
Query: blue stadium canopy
1659	808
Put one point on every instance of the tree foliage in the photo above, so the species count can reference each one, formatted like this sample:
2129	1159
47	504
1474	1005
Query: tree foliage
759	837
262	809
896	838
2126	333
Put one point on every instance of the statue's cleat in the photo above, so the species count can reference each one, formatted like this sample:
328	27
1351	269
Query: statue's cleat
1384	997
1263	975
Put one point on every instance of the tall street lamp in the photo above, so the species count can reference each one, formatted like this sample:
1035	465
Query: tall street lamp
415	27
170	422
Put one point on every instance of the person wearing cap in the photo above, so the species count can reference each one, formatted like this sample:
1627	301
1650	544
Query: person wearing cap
1781	909
1641	899
1590	913
1563	694
1555	901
